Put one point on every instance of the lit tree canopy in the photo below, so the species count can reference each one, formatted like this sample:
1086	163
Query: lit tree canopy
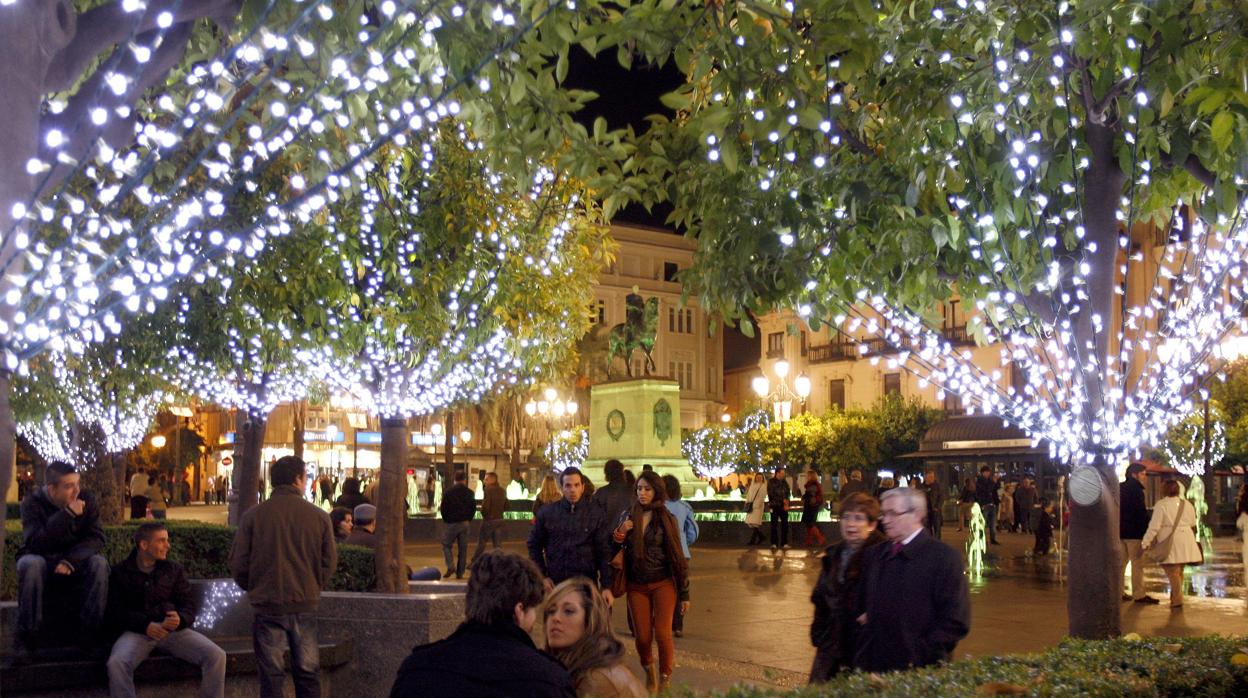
715	450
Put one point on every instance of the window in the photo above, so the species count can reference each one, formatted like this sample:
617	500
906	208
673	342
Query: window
671	319
892	383
805	346
682	372
680	320
669	271
775	345
689	320
953	405
598	311
1018	377
836	393
712	385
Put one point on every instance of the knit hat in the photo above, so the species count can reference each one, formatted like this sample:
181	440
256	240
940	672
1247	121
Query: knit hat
364	514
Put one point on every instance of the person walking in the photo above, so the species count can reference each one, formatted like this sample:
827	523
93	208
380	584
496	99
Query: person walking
778	493
935	503
755	505
209	486
138	495
1044	529
1005	517
576	625
457	509
812	502
986	498
1024	502
616	496
156	499
688	527
656	577
548	494
490	655
151	605
837	592
1133	520
283	556
571	539
493	505
916	607
1241	522
1172	530
966	501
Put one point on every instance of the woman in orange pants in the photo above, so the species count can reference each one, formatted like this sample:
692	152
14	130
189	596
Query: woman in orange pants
657	577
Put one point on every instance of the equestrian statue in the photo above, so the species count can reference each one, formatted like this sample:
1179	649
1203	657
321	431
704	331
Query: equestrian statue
638	331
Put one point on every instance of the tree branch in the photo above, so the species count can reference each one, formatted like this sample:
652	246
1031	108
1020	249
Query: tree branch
105	26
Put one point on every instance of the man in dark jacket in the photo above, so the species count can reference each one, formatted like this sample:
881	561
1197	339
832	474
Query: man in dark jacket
1024	502
778	494
61	536
570	538
935	503
615	497
490	655
1133	521
987	498
457	509
916	606
853	485
364	526
493	505
283	556
150	603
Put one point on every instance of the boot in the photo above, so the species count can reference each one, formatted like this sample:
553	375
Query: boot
652	678
665	683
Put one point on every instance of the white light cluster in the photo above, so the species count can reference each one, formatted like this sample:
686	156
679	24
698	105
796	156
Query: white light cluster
715	451
1185	452
112	238
568	449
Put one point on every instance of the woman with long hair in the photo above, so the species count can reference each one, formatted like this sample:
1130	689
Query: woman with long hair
576	628
547	494
1172	532
755	505
656	575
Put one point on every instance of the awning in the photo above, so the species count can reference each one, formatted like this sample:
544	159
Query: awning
976	437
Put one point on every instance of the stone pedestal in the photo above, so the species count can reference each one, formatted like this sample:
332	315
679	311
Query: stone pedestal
637	421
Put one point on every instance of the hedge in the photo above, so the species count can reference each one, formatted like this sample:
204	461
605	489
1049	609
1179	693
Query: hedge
203	549
1157	666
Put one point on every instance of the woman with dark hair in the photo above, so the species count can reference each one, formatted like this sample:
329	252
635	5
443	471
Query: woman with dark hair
837	592
812	502
577	630
1171	538
343	520
1241	521
351	496
656	575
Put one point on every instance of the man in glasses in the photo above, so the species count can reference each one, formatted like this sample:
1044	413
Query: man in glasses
916	604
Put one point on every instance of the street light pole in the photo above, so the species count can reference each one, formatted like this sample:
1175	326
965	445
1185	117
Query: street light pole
782	398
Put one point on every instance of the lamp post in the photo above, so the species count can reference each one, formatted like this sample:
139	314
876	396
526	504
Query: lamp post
782	397
552	408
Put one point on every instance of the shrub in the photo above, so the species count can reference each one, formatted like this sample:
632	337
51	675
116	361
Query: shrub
1158	666
203	549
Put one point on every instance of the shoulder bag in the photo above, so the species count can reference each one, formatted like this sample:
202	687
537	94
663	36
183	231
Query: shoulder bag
1160	550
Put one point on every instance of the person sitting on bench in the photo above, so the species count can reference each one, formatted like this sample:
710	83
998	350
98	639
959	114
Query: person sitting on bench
150	602
61	537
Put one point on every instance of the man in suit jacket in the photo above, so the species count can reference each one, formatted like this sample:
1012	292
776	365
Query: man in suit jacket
1133	521
916	606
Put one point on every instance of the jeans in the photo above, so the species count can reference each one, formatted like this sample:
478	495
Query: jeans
990	521
299	632
33	573
779	527
492	529
455	532
132	648
934	523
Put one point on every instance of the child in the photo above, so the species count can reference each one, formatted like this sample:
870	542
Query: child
1044	528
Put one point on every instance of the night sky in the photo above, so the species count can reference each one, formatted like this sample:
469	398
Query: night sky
626	98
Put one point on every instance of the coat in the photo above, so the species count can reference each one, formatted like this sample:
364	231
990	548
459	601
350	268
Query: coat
58	535
284	553
615	681
458	504
570	540
755	504
661	555
1183	549
1132	512
614	499
838	600
1242	524
685	523
778	493
137	598
917	604
483	661
812	502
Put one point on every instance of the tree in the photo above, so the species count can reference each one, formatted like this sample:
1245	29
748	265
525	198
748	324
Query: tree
902	424
716	450
860	159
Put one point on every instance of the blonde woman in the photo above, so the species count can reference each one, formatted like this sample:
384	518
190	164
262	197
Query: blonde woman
576	629
755	505
547	494
1172	531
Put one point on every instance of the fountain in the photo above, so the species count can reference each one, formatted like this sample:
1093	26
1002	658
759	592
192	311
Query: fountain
1196	495
976	543
516	490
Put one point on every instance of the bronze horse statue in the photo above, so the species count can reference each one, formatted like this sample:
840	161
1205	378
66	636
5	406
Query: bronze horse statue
638	331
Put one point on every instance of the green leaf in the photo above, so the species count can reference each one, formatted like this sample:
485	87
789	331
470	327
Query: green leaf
1221	128
1167	102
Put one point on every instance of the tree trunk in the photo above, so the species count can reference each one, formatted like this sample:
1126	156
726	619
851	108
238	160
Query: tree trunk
449	471
248	449
1094	581
298	418
8	452
391	572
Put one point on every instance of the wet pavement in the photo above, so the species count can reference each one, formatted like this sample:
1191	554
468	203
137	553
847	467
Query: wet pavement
751	608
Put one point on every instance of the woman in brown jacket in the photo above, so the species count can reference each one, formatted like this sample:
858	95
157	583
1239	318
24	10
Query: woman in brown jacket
656	575
577	630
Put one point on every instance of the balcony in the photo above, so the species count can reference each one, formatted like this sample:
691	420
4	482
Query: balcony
775	353
847	351
957	335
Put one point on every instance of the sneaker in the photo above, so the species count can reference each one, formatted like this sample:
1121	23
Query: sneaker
1148	600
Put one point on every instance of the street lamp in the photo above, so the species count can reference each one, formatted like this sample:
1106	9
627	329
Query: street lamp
159	441
781	399
551	406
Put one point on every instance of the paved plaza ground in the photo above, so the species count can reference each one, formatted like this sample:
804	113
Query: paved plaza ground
751	608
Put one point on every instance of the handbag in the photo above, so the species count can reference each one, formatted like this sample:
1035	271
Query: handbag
1160	551
619	583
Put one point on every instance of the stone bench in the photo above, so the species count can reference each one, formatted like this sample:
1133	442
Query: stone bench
370	633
